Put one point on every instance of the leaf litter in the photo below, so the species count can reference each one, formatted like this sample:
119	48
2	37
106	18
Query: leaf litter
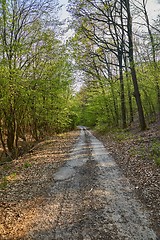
25	182
28	178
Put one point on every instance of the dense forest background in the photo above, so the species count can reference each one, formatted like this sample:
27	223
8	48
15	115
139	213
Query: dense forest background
35	73
117	48
113	55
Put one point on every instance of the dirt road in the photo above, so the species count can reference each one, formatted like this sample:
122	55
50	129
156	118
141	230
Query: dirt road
91	199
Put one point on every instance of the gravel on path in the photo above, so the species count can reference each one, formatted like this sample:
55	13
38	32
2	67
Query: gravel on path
90	199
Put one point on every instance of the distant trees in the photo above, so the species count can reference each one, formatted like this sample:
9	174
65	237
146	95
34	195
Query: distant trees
107	26
120	68
35	73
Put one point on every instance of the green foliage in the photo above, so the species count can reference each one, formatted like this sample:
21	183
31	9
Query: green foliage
35	75
27	165
101	128
7	179
156	147
157	161
100	107
3	183
97	48
37	72
155	151
122	135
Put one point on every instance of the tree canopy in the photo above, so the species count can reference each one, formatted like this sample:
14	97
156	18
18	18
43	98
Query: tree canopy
35	73
116	55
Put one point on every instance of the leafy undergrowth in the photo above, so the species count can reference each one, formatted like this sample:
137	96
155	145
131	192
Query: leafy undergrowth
24	183
138	155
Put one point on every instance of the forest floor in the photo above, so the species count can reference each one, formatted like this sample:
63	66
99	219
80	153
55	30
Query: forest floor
24	183
28	189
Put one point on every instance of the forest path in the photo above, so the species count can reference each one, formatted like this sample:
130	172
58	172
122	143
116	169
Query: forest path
91	199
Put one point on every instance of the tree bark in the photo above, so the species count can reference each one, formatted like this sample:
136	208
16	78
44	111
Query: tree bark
133	70
123	105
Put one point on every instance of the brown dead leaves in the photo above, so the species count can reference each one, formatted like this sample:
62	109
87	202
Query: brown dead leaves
25	183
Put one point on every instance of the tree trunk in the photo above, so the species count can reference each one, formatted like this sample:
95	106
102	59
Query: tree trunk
2	141
11	132
115	105
138	98
133	71
123	105
131	117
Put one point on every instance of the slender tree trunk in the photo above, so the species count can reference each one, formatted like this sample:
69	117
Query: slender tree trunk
138	97
123	104
11	131
133	70
114	104
131	116
2	140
